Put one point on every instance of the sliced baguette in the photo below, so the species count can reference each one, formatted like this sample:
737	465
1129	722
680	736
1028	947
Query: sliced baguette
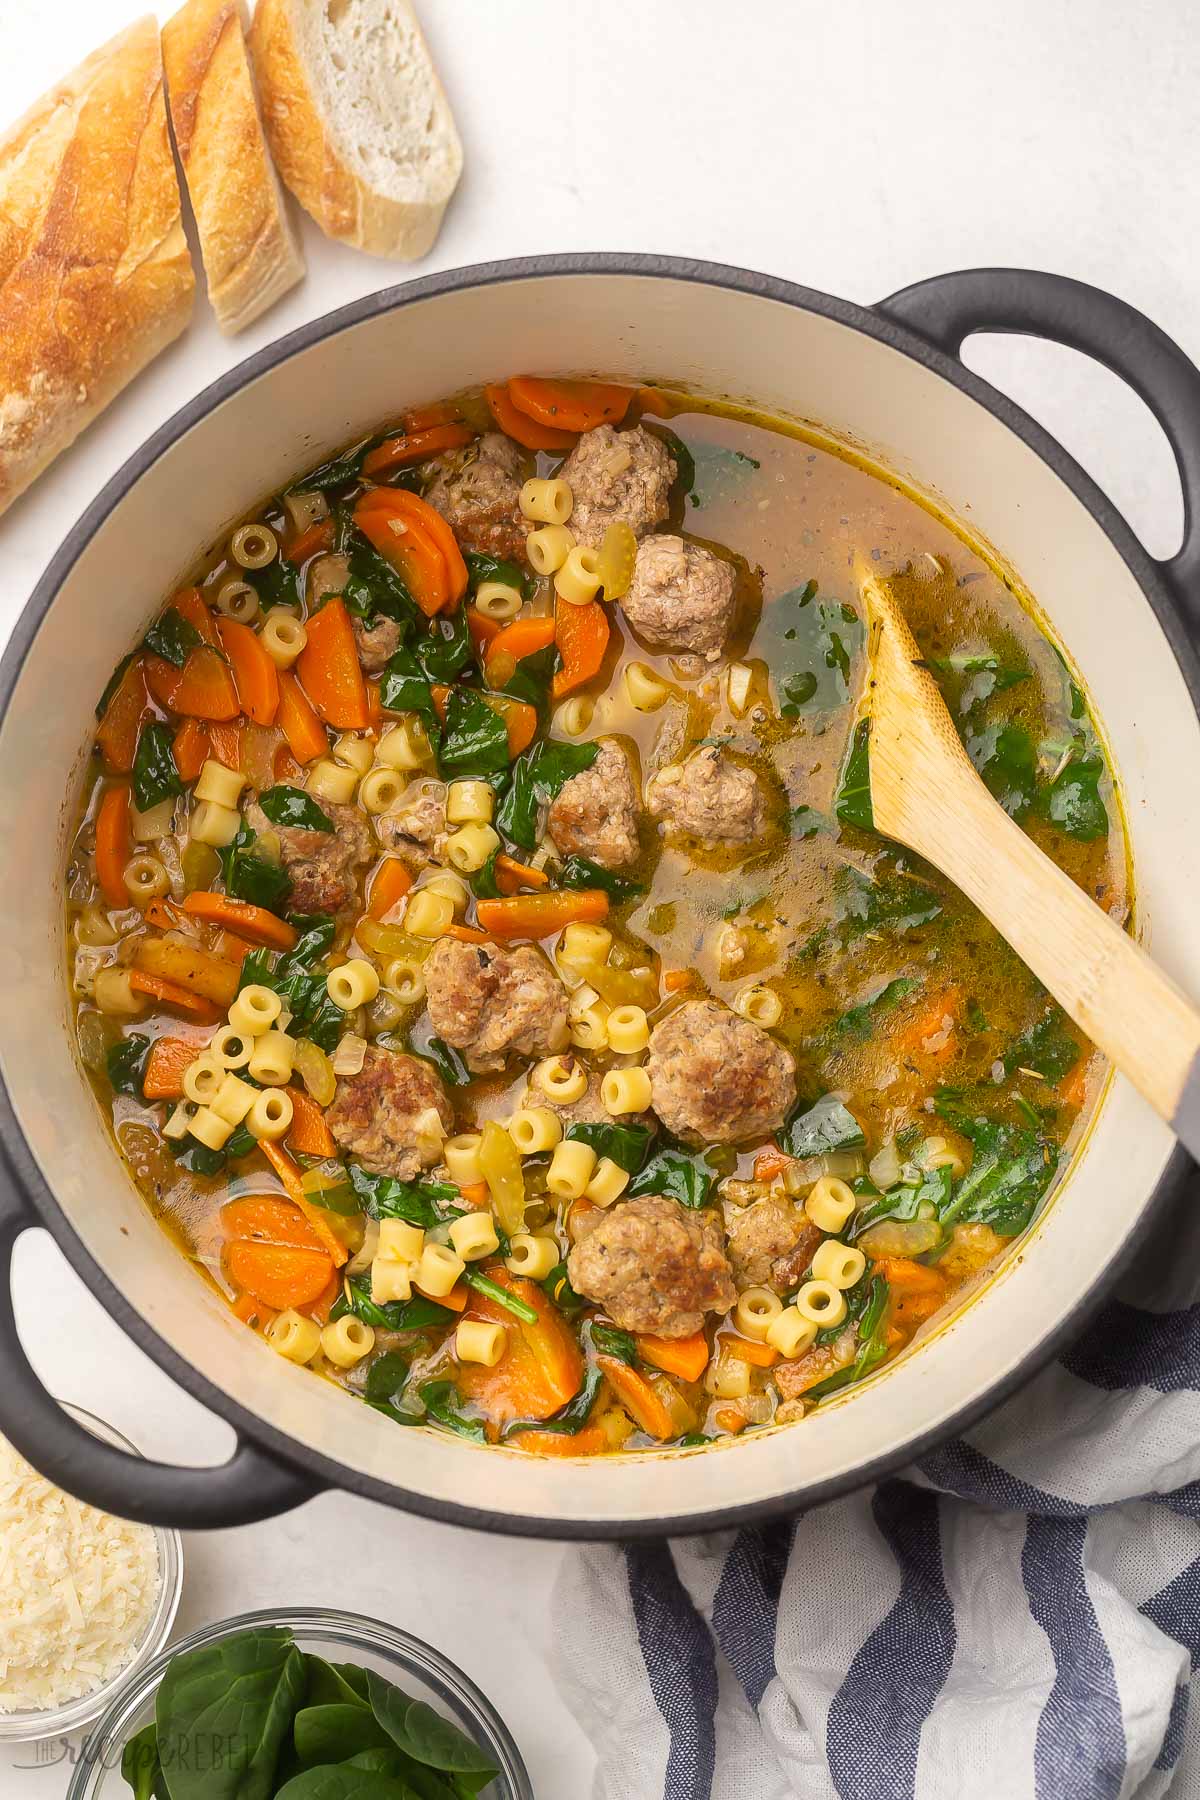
250	251
95	275
360	127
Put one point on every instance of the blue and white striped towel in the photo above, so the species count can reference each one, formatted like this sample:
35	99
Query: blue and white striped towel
1014	1618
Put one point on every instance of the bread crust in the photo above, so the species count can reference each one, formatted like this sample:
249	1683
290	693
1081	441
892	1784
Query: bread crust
95	274
344	205
251	256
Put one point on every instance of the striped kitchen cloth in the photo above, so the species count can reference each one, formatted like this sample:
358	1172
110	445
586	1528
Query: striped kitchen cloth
1016	1617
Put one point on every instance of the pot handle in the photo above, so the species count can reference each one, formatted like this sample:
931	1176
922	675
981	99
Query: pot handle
251	1485
946	309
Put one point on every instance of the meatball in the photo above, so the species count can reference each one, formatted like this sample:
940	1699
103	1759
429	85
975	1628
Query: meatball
488	1001
326	575
717	1079
393	1115
681	596
323	865
770	1244
596	812
377	641
416	827
618	475
654	1266
478	491
708	797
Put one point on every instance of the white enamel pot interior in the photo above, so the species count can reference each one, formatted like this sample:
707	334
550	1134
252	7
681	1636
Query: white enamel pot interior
858	373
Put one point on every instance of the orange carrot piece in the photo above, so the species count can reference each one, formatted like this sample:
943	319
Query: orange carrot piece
113	844
656	403
760	1356
511	876
289	1174
903	1274
591	1441
769	1163
522	638
467	934
254	922
255	675
581	633
204	687
674	979
408	544
475	1193
686	1357
171	994
314	538
637	1397
320	1308
417	512
520	720
280	1275
414	446
168	1058
730	1420
458	1297
306	736
928	1036
123	718
392	881
190	748
189	966
541	1368
569	405
520	427
1072	1090
225	742
309	1134
161	913
252	1312
537	915
332	675
266	1219
439	412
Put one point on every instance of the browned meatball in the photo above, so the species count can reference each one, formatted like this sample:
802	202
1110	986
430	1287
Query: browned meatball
477	490
487	1002
393	1115
326	575
770	1244
416	826
716	1078
323	865
654	1266
596	812
708	797
377	642
618	475
681	596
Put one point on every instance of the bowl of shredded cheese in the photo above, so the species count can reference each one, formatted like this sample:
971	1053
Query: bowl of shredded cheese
85	1598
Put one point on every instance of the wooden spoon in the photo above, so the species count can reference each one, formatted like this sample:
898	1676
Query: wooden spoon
926	793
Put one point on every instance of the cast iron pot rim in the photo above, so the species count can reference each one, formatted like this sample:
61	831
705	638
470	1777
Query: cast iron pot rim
32	1188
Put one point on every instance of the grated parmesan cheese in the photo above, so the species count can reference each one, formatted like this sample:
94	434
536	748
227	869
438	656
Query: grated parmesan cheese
77	1591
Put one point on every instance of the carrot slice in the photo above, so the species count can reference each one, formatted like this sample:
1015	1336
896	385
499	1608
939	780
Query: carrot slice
252	1312
481	628
467	934
1072	1089
123	718
458	1297
315	537
268	1220
761	1356
418	514
769	1163
730	1420
414	446
254	922
408	545
522	638
168	1058
289	1174
476	1194
204	687
637	1397
581	633
537	915
541	1368
591	1441
519	426
255	675
570	405
930	1036
439	412
280	1275
309	1134
305	734
686	1357
226	743
520	719
332	675
188	966
392	881
511	876
171	994
190	748
112	844
674	979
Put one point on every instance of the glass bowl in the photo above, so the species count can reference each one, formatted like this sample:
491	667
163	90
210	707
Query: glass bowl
58	1721
418	1668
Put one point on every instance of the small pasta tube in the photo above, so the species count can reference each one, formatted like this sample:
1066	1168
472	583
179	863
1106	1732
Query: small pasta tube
154	824
209	1128
390	1280
347	1341
202	1079
761	1005
230	1048
404	745
628	1030
272	1059
357	753
790	1332
646	690
332	781
938	1154
469	803
829	1204
213	825
271	1115
176	1127
283	637
461	1156
821	1302
451	885
581	945
578	579
255	1010
237	600
497	600
253	546
535	1129
562	1079
428	914
146	879
380	788
480	1341
589	1029
756	1309
405	977
469	847
624	1090
220	785
571	1168
530	1256
547	502
399	1241
839	1264
233	1099
293	1336
438	1270
473	1236
548	548
353	984
609	1181
575	715
114	994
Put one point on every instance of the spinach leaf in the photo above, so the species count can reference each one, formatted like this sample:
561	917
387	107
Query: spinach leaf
241	1695
316	935
126	1064
982	674
391	1315
1005	757
113	683
446	649
299	983
516	816
278	584
292	806
404	687
815	1130
804	822
139	1762
484	885
476	738
557	1287
871	1341
449	1064
335	473
893	901
385	1197
581	872
609	1341
334	1684
860	1021
821	644
443	1404
905	1201
374	587
481	567
483	1284
343	1781
387	1379
172	637
1048	1048
422	1733
250	877
199	1158
155	776
1011	1170
530	680
675	1174
626	1145
853	804
335	1732
1073	802
539	775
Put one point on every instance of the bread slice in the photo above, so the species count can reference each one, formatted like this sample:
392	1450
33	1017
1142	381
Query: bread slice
251	255
361	129
95	274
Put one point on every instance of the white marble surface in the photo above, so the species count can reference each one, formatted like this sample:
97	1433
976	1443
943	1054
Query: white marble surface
854	147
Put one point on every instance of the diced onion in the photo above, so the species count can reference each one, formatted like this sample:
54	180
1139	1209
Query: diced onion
900	1237
350	1055
884	1167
